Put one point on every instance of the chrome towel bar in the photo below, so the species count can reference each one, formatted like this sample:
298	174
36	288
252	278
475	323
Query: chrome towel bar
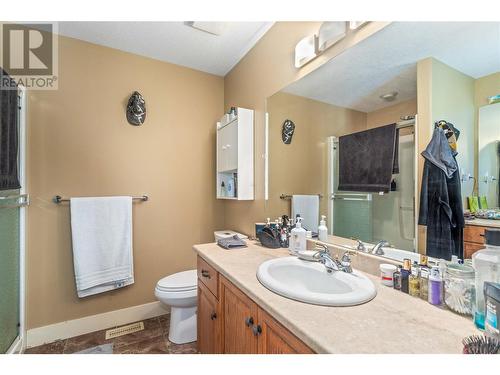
287	196
58	199
24	200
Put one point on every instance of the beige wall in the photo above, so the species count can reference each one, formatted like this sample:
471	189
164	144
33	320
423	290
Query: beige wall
265	70
301	167
80	144
391	114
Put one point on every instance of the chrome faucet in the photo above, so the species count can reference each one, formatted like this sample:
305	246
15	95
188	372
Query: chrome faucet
361	246
331	264
377	249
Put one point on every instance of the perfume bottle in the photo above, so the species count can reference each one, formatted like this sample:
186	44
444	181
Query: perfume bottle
424	283
405	276
414	282
396	278
424	277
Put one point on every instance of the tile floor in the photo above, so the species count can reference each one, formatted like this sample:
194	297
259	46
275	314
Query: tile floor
152	340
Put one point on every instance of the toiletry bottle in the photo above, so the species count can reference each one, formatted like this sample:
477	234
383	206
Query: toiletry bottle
396	278
435	287
405	276
424	277
414	283
424	283
486	263
298	237
322	229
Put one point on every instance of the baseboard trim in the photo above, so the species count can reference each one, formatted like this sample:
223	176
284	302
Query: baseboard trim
92	323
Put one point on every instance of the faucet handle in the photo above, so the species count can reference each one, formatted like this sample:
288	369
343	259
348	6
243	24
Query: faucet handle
361	245
348	254
322	248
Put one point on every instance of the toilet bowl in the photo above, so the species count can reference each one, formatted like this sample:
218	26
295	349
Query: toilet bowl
179	291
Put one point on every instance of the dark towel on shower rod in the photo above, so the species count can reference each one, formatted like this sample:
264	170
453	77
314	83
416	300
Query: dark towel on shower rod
8	137
367	159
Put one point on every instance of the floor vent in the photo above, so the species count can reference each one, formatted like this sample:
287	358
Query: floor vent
124	330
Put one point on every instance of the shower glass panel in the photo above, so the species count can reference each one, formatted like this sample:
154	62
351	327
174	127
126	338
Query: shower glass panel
353	216
9	268
350	213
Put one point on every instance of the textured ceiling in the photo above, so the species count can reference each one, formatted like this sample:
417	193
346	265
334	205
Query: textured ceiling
386	62
174	42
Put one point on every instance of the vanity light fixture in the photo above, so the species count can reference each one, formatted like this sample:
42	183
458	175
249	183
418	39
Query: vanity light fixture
305	50
353	25
330	33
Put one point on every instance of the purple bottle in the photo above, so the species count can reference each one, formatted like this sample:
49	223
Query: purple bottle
435	287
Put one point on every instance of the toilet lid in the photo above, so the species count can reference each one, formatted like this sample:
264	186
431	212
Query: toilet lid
179	282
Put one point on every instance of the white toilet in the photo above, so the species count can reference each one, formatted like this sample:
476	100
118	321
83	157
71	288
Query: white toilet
179	291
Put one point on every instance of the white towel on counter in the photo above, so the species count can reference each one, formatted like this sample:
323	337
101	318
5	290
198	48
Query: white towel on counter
307	206
101	229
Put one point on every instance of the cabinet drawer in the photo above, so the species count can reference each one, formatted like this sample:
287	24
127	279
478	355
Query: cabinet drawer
470	248
474	233
208	276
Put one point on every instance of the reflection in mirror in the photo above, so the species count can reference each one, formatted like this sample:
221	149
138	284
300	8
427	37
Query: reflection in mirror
489	155
370	86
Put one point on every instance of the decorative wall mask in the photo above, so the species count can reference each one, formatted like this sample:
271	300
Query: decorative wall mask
287	131
136	109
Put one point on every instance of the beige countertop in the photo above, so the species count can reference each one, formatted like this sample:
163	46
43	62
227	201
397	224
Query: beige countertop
484	222
393	322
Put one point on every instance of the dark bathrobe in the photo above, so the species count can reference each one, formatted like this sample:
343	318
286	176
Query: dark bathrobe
441	200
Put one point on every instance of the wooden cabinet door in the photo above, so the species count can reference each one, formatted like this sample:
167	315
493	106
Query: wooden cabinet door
209	322
276	339
474	233
239	315
470	248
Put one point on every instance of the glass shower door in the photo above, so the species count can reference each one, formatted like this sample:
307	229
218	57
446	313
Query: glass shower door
9	267
12	227
350	213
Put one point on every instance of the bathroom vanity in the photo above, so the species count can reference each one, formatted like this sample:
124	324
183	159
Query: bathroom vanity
474	234
237	314
231	322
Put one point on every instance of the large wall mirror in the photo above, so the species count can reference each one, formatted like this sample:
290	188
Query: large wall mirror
400	81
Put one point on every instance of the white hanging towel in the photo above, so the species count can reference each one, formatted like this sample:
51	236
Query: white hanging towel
101	229
307	206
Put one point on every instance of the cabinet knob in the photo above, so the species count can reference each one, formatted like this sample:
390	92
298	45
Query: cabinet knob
213	316
205	273
249	321
257	330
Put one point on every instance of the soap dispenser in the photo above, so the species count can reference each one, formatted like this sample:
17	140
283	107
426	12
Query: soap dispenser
298	237
322	229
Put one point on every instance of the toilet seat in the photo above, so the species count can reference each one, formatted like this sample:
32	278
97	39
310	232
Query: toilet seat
185	281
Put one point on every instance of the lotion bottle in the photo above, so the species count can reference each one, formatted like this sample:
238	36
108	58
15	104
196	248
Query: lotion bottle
322	229
298	237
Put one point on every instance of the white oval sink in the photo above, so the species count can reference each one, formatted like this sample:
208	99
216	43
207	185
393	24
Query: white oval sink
311	283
